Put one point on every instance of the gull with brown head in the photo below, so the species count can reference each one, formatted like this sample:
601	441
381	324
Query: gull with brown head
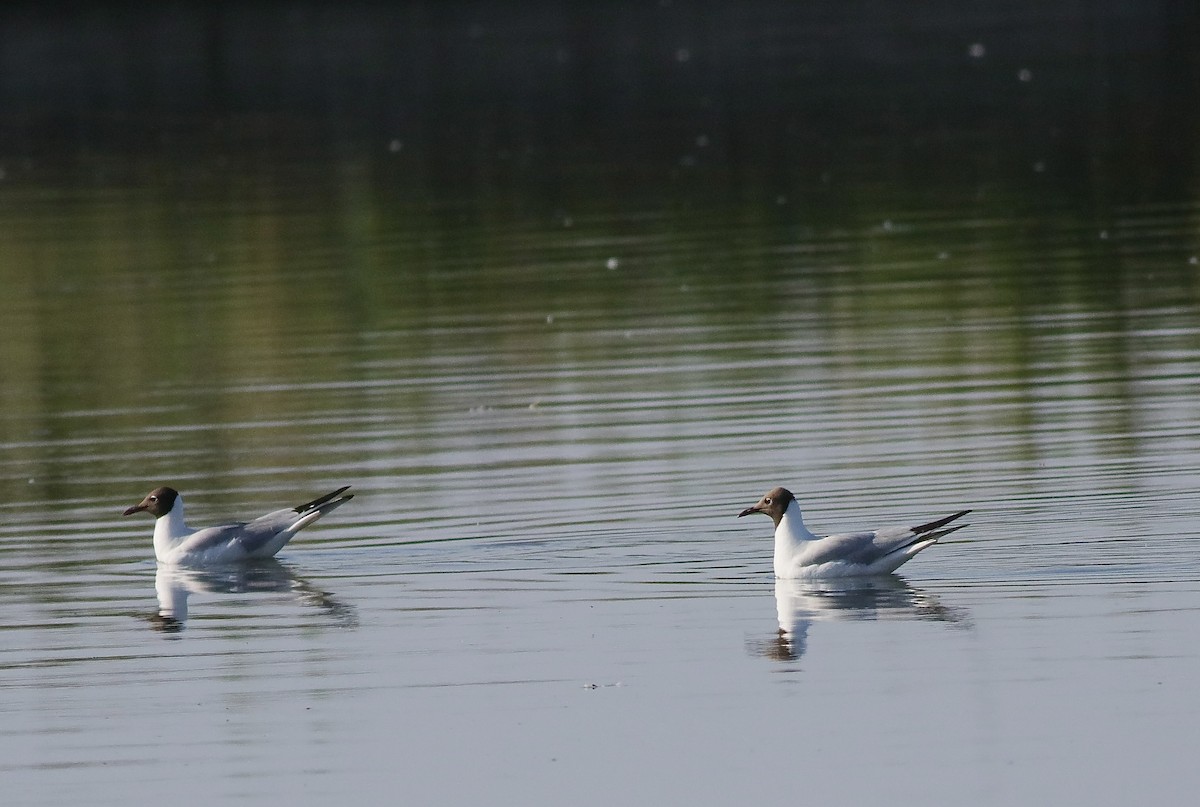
801	554
175	542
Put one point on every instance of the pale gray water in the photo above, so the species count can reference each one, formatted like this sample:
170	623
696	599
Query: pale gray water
552	403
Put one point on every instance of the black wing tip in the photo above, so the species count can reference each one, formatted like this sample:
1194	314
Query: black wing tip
322	500
941	522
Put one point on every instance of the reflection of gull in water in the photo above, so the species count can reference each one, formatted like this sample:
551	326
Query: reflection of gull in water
799	603
173	584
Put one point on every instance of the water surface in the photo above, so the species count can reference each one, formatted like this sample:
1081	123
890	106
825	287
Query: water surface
554	368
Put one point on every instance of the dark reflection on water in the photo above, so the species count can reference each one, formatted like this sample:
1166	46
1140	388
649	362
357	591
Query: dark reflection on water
800	604
529	107
174	585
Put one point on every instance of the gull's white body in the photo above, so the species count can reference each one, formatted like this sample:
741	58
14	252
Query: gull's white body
176	542
800	554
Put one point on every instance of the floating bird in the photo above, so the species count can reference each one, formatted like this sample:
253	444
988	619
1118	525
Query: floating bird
175	542
799	553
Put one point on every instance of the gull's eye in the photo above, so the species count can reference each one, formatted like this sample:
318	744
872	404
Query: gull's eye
153	498
768	500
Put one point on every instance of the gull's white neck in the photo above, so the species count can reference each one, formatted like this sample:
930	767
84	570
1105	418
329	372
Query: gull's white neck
790	537
169	530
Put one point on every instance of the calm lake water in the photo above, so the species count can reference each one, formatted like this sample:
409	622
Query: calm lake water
556	348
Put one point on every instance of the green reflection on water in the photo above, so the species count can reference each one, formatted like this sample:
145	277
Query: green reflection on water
918	209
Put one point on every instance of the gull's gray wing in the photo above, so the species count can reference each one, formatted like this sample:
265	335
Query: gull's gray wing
250	535
867	547
269	532
208	538
256	534
859	547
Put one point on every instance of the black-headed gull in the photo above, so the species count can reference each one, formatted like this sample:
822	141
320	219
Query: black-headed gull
799	553
176	542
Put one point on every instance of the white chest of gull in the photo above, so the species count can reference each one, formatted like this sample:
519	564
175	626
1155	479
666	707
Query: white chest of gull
800	554
177	543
